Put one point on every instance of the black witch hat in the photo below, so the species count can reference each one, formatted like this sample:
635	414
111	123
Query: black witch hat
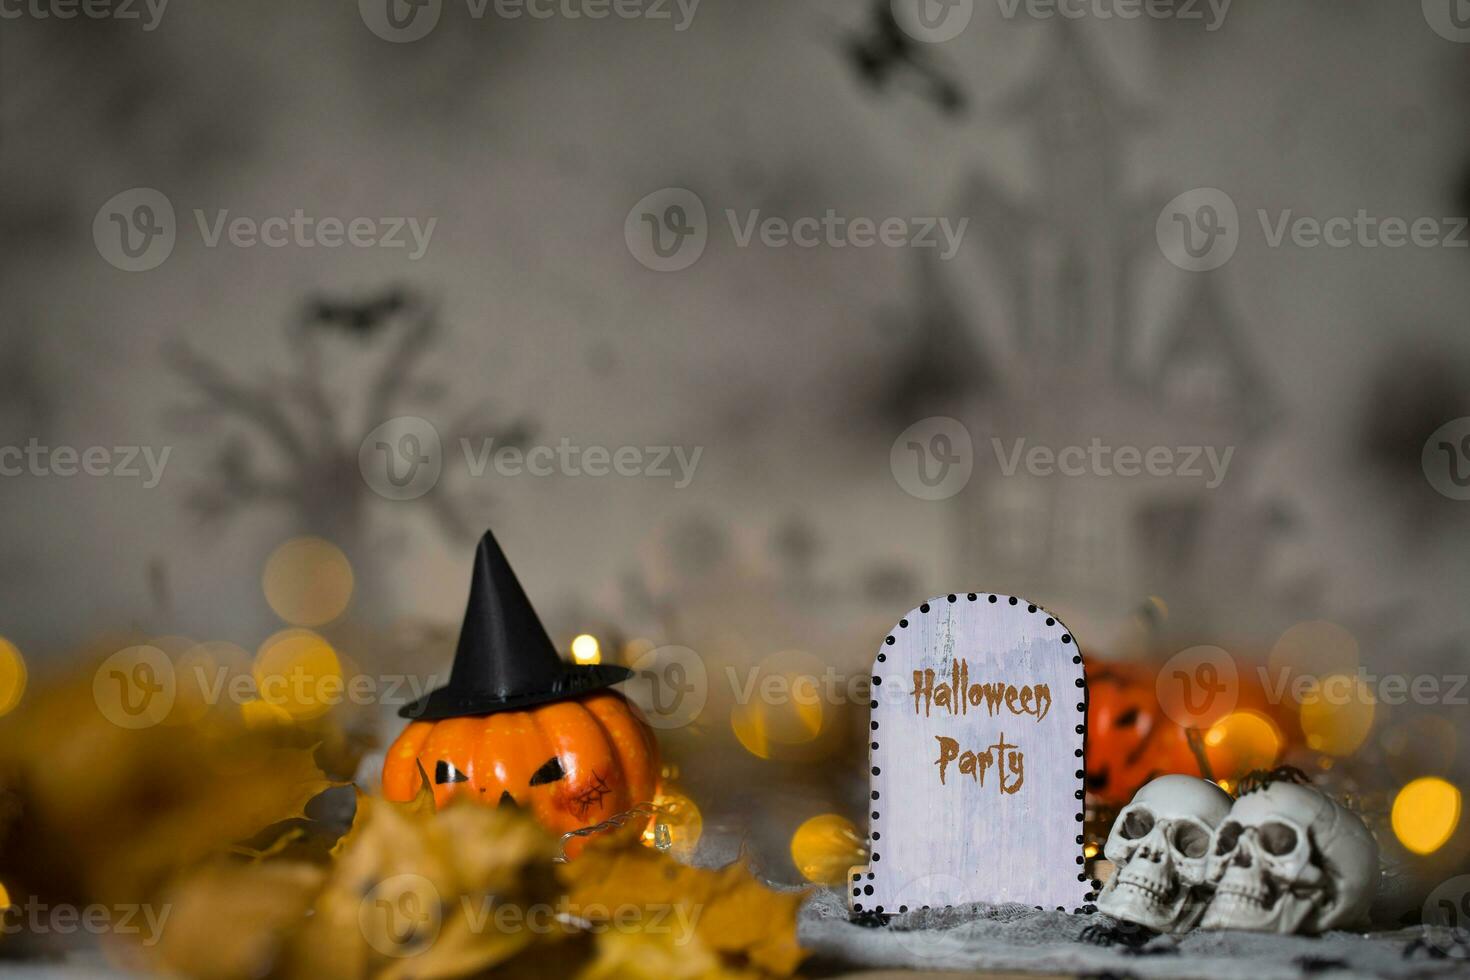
505	661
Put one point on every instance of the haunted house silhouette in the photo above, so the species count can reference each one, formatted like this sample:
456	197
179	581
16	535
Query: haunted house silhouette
1042	329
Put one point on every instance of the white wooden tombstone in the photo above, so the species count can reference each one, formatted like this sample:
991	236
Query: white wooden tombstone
977	768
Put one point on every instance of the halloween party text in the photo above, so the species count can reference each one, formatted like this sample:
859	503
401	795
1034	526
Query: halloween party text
954	694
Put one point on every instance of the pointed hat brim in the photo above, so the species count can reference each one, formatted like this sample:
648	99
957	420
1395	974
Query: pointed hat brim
575	681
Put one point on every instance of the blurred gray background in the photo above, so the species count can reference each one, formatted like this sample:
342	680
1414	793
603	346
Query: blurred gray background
530	140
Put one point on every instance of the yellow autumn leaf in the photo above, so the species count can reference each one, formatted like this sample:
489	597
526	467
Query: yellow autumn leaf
645	955
734	914
207	821
228	921
114	813
415	892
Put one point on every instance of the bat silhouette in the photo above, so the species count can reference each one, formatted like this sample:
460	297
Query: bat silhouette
357	318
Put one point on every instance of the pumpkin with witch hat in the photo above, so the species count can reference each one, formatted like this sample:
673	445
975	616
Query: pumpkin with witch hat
518	726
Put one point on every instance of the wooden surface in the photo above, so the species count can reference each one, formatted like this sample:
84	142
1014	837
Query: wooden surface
986	835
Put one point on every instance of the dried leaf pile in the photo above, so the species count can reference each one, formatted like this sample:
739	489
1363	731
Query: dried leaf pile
206	826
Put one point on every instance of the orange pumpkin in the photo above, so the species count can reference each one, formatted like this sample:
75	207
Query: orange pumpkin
1130	739
571	763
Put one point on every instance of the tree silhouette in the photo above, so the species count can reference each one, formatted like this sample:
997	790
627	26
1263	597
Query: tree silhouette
287	443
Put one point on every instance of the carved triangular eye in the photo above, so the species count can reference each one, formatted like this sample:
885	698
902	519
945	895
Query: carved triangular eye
444	772
550	772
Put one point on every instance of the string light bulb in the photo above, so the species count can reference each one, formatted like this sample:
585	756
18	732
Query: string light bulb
679	815
586	650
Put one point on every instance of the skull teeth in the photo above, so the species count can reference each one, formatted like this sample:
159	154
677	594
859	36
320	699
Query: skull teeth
1159	896
1243	895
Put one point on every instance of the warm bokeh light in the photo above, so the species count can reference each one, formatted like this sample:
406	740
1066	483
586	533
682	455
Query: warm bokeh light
684	822
586	649
298	672
1425	814
784	710
1337	714
764	729
826	848
748	723
307	581
208	675
5	901
262	715
12	676
1243	741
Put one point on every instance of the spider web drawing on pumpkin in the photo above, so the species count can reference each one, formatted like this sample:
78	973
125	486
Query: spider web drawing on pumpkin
592	796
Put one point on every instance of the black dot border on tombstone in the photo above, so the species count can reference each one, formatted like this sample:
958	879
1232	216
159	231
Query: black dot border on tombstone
874	834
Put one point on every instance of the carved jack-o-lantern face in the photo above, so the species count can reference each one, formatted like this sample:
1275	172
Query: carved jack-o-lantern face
571	763
1130	739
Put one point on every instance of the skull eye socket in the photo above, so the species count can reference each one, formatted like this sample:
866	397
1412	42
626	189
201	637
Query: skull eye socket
1191	839
1277	838
1227	837
1137	823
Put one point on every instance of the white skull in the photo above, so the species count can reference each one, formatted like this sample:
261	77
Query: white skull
1160	844
1290	859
